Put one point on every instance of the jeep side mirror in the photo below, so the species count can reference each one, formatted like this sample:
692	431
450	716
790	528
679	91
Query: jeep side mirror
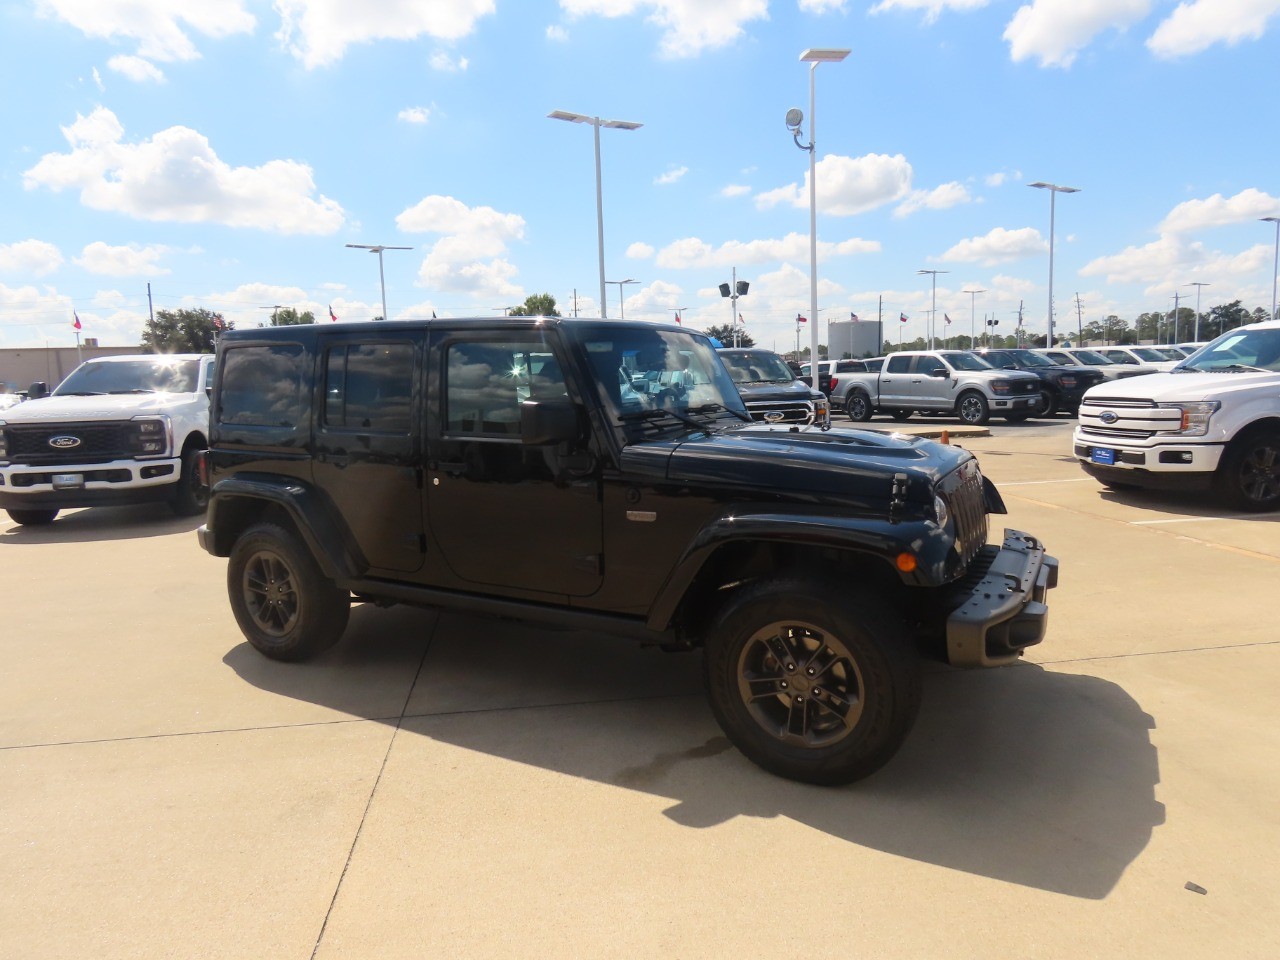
547	422
37	390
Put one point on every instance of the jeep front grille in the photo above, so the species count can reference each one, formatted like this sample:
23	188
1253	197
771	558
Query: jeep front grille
964	498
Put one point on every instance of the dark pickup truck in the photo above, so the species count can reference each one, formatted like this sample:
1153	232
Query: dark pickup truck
632	495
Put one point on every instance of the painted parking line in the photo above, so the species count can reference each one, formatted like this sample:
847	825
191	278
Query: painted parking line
1186	520
1032	483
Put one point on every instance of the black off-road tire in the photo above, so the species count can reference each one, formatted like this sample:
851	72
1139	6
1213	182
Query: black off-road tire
972	408
1248	477
858	406
1046	404
1020	416
32	516
286	607
190	496
901	414
812	681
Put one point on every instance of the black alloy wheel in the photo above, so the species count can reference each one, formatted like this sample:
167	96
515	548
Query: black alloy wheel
858	406
1249	475
1046	403
190	495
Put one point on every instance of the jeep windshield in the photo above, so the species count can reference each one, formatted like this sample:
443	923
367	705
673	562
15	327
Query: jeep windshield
756	366
160	375
652	379
1240	351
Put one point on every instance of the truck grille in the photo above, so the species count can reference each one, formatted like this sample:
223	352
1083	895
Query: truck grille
1122	418
781	411
99	443
962	491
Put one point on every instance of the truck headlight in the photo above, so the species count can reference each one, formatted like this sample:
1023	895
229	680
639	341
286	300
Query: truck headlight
1000	386
4	441
1067	381
821	410
1195	416
149	437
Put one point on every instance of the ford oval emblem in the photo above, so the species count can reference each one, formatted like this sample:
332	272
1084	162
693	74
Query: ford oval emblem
1108	416
773	416
64	442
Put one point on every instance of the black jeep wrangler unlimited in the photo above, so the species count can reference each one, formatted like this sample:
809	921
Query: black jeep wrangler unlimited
633	495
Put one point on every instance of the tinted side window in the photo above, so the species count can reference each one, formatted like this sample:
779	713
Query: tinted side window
369	386
898	364
262	385
927	365
485	383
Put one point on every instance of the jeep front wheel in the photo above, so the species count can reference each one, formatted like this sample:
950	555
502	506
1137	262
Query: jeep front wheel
809	687
286	607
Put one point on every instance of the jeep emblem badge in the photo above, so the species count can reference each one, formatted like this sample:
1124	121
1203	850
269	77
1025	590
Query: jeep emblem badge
1108	416
64	442
773	416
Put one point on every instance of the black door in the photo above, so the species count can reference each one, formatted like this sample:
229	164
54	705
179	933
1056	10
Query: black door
366	453
504	513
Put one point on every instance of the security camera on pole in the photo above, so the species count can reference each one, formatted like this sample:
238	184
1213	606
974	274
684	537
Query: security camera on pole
738	289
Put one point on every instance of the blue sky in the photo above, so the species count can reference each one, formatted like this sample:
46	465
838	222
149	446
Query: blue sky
226	152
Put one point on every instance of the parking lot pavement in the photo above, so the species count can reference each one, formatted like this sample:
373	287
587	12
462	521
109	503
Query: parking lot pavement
444	786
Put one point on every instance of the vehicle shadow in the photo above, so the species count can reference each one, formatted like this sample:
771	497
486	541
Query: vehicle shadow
104	523
1022	774
1187	503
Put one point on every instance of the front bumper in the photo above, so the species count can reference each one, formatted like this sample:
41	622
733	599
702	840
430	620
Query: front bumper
1003	610
98	484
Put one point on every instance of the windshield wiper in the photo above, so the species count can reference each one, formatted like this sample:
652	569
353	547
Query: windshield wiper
658	414
717	408
83	393
1232	367
132	390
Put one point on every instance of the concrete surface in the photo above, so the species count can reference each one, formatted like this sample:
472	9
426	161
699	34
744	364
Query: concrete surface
438	786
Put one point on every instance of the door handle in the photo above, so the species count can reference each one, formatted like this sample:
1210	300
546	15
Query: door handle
451	467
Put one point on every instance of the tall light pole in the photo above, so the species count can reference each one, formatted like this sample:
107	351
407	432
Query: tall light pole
1197	284
382	279
596	124
738	288
933	312
1054	190
813	56
1275	268
622	313
973	314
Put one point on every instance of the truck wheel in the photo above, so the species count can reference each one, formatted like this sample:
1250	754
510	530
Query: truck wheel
1046	405
190	496
858	407
1249	475
810	687
286	607
32	517
901	414
972	408
1019	417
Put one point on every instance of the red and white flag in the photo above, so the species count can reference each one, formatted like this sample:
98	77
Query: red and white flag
332	316
902	317
800	319
77	320
853	316
946	318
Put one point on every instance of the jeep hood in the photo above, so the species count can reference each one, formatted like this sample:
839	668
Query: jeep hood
800	462
1171	387
115	406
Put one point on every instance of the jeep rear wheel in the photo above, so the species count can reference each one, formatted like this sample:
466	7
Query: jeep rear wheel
809	687
31	517
972	408
1249	474
286	607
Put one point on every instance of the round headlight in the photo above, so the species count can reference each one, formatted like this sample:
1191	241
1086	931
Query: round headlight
940	512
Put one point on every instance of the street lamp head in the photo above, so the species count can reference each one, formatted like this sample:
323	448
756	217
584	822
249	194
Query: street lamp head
824	55
594	121
1270	219
1054	187
571	117
795	117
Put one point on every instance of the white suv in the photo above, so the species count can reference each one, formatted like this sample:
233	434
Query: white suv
1213	422
124	429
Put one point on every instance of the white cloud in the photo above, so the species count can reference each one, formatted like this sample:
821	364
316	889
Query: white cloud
468	258
414	115
735	190
97	80
1217	211
318	32
998	246
688	26
671	176
1010	285
1199	24
1055	31
995	179
847	185
932	8
441	62
1168	261
127	261
160	27
136	69
29	257
823	6
639	251
176	176
692	252
939	198
557	34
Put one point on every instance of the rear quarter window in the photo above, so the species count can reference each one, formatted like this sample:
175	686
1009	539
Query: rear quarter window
262	386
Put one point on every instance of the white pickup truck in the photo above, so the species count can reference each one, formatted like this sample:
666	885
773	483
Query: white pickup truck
117	430
1213	422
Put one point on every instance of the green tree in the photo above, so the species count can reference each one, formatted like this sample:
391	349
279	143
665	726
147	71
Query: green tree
182	331
537	305
724	333
289	317
1224	317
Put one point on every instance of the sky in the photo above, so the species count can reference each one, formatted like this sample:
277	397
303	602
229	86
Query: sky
222	154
